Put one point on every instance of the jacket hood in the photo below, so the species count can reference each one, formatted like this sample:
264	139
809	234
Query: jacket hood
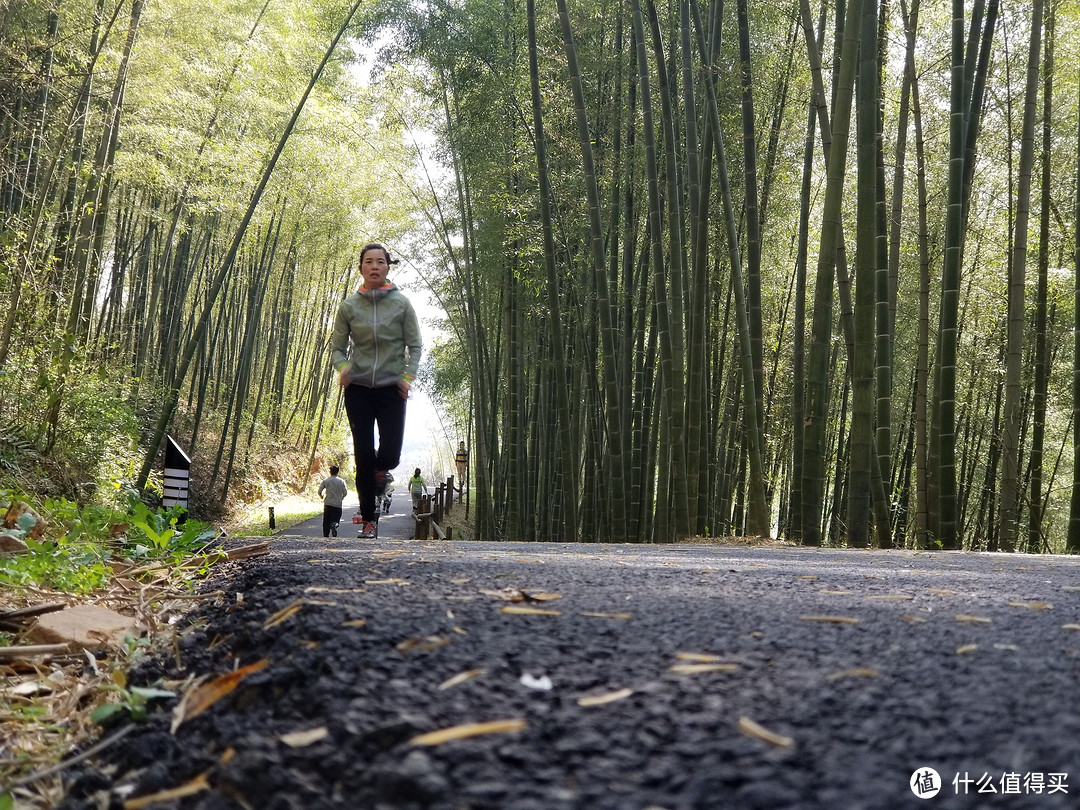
377	294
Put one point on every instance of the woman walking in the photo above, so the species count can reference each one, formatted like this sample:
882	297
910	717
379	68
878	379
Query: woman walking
376	351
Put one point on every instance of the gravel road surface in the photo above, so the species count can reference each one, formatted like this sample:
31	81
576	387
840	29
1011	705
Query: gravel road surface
623	677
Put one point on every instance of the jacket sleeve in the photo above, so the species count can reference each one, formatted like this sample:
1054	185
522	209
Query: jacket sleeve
339	338
413	341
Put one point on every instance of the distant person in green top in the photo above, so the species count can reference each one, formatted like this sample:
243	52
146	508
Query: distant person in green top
417	487
333	491
375	346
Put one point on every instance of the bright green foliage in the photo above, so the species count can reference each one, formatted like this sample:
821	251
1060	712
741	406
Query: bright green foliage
80	541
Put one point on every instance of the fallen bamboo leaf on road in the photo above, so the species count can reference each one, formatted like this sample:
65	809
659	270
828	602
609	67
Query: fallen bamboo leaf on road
965	617
467	730
200	698
697	669
595	615
302	739
283	614
603	700
830	619
705	658
460	678
895	597
422	644
196	785
528	611
854	672
1032	605
518	595
759	732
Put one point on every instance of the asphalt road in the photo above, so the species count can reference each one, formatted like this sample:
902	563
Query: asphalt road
621	677
397	524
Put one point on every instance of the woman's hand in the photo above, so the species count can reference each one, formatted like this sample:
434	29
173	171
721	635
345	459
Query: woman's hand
403	387
343	376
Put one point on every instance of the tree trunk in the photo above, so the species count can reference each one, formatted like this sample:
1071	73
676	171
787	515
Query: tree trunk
1010	481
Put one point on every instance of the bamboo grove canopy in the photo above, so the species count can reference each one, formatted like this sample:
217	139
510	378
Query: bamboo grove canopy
732	268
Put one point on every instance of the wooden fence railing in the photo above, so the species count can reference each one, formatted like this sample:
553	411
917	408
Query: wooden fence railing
432	511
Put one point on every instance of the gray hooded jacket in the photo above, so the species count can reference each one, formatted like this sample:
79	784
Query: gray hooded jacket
376	333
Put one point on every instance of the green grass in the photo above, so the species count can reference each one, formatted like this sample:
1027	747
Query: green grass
255	521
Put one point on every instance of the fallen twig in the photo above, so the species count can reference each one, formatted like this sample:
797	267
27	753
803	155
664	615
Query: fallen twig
30	650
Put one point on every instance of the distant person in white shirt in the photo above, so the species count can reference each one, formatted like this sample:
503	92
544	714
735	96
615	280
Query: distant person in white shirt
333	491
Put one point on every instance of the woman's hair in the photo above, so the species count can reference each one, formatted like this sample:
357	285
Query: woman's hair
376	246
417	471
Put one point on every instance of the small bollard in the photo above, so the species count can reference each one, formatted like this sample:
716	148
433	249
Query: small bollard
273	524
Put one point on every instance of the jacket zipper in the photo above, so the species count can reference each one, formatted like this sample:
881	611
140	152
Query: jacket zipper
375	337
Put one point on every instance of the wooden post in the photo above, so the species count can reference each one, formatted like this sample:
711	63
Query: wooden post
423	518
450	489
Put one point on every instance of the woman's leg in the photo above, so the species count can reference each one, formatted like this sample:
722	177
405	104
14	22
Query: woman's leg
360	406
391	419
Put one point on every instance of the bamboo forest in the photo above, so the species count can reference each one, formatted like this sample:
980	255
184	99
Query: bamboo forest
781	268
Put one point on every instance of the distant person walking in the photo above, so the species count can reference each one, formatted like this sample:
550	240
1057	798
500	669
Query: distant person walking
462	462
333	491
375	347
417	487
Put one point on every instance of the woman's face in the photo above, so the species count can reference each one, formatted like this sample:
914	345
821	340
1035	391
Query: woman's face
374	267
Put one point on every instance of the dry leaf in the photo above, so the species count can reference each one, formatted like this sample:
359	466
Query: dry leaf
1070	627
424	644
506	594
461	677
806	577
964	617
896	597
1070	587
283	614
302	739
467	730
692	656
1032	605
856	672
602	700
200	698
697	669
967	648
196	785
759	732
595	615
394	581
518	595
918	619
528	611
355	623
830	619
942	592
837	593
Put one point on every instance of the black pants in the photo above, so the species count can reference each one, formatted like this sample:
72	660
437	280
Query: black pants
366	408
330	516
